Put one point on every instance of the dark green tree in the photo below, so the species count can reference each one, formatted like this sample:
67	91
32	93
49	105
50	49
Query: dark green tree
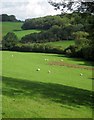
9	41
71	5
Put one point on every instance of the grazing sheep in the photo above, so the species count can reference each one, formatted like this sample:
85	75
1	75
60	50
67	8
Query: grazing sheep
13	99
46	59
49	71
81	74
61	59
38	69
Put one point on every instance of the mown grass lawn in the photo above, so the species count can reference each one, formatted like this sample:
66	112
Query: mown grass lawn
28	93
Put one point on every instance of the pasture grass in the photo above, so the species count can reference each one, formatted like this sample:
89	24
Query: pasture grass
28	93
64	43
10	27
22	33
16	28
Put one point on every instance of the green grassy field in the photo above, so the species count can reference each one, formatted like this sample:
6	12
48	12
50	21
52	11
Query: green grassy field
10	27
16	28
22	33
63	44
28	93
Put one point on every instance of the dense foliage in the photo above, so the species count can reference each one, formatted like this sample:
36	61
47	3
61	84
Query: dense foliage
42	22
86	44
5	17
60	27
9	41
75	26
73	5
36	47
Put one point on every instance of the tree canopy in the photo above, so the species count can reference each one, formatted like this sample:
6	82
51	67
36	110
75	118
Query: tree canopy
71	5
11	18
9	41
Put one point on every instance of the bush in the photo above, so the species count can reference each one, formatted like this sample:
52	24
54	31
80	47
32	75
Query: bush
9	41
37	48
88	52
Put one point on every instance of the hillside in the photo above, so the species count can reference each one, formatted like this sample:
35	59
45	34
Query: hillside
16	28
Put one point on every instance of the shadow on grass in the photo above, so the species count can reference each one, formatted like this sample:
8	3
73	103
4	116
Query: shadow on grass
86	63
55	92
17	30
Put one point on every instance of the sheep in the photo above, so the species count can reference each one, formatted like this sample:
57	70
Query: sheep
61	59
49	71
38	69
13	99
46	59
81	74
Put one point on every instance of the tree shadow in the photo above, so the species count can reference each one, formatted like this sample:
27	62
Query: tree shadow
86	63
54	92
91	78
16	30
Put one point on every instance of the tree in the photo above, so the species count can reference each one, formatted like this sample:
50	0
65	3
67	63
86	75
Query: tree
87	8
9	41
71	5
5	17
81	38
12	18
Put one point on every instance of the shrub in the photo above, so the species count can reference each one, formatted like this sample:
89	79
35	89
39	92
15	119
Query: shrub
9	41
36	47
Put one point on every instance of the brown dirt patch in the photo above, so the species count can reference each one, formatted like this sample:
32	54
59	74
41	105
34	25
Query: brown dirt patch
70	65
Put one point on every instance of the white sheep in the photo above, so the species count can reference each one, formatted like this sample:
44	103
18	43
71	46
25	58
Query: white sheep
49	71
13	99
81	74
61	59
46	59
38	69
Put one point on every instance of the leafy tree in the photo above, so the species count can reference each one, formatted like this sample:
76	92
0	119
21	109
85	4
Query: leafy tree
87	8
12	18
5	17
42	22
71	5
81	38
9	41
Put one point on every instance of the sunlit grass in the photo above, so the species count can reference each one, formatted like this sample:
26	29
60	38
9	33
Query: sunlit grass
64	43
28	93
16	28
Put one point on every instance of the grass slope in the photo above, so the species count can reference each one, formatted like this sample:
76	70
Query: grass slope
22	33
28	93
63	44
10	27
16	28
